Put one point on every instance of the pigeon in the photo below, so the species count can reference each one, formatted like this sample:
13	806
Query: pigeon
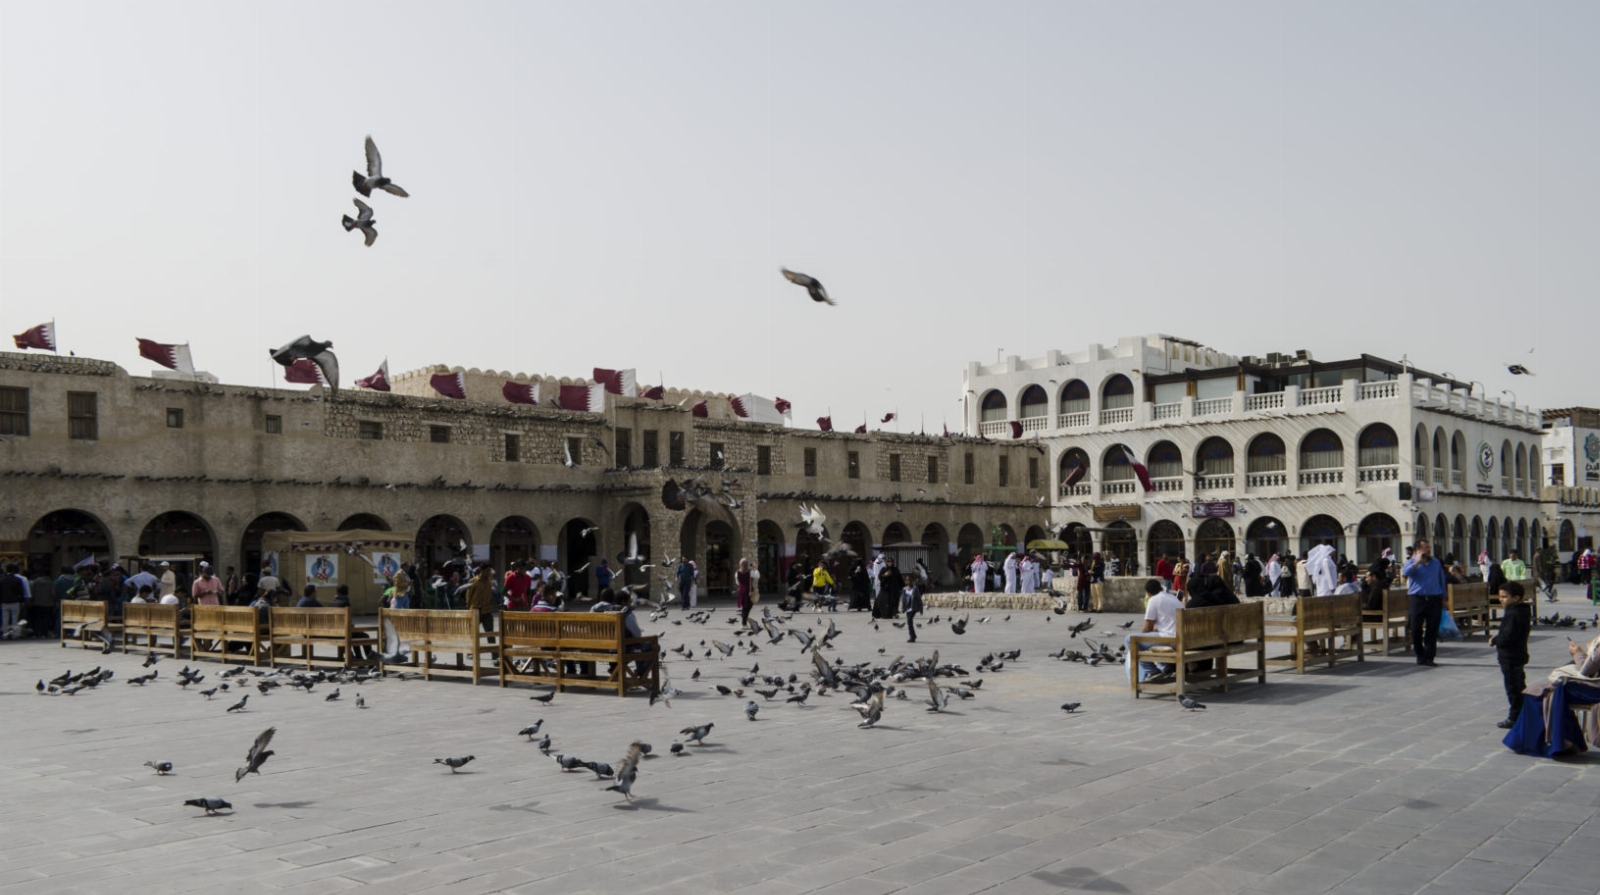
628	771
960	627
153	659
570	762
697	735
544	744
397	651
239	706
750	709
546	698
1191	704
212	806
531	730
330	697
1080	627
453	763
872	711
723	648
40	688
375	179
600	768
1127	624
363	221
1070	707
361	702
162	768
937	698
676	749
1518	370
257	756
811	285
314	351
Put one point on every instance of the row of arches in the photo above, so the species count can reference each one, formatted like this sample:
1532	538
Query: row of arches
1376	446
1441	454
1033	401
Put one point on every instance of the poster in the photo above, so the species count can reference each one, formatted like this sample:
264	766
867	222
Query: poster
384	567
322	569
269	563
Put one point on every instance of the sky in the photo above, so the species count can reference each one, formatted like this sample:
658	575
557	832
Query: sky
617	184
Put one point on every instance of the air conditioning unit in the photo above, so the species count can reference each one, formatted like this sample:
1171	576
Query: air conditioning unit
1302	354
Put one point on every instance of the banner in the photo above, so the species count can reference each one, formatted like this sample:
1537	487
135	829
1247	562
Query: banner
384	567
322	569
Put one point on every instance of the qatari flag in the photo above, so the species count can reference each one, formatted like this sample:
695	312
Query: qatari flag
379	381
583	398
1139	469
756	409
887	418
618	382
1016	429
654	394
861	429
781	406
173	357
451	385
1075	474
700	410
825	423
520	393
302	371
42	337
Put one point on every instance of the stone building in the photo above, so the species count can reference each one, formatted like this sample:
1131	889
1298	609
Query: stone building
1272	454
94	460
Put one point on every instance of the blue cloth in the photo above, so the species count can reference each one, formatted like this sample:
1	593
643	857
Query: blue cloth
1529	736
1425	580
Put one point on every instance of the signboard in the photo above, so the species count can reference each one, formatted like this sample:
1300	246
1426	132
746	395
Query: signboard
1211	509
1118	513
1427	494
1485	459
1485	489
1591	455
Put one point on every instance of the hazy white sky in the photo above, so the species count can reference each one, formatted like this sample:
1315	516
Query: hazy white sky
611	184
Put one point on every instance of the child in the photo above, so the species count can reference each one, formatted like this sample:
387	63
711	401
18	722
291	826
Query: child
1511	645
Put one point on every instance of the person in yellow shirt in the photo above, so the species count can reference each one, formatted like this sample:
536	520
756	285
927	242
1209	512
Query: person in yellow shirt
822	587
1513	567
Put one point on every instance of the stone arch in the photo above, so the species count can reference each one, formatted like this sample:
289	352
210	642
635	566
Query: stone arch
1441	453
722	557
1214	457
1508	535
937	540
178	533
1033	402
969	543
62	538
808	549
1420	447
1080	542
577	547
769	555
1034	533
250	540
1164	460
1165	538
439	540
1522	468
513	538
1535	471
1475	544
1116	391
1213	537
362	522
1422	529
1122	543
1491	539
860	540
1321	449
1566	537
1505	465
1005	535
1321	530
1458	541
896	533
1522	539
1458	459
1070	459
1266	453
1377	446
633	520
1266	536
992	407
1441	536
1376	533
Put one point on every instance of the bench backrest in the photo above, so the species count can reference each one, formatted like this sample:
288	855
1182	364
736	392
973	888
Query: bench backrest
82	610
149	615
1332	611
1396	604
223	620
429	625
579	630
1210	626
1464	597
324	621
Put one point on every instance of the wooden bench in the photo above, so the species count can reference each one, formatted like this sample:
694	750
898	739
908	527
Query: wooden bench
430	631
1312	634
1468	604
153	622
1210	632
1530	595
556	648
86	618
1390	621
215	630
318	627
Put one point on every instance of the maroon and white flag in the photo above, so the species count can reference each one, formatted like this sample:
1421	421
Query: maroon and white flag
42	337
825	423
379	381
1016	429
451	385
861	429
583	398
1139	469
756	409
654	394
303	372
700	410
887	418
173	357
781	405
520	392
1075	474
618	382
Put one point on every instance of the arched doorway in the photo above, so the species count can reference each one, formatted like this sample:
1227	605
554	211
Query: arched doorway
577	548
1376	533
636	543
250	541
1212	538
514	538
722	552
1165	539
937	540
1491	541
969	543
1079	541
363	522
177	533
1122	543
1034	533
1567	537
440	539
64	538
1475	542
1322	530
1522	538
1458	541
1005	535
1422	529
896	533
1266	536
855	535
1441	536
808	549
769	555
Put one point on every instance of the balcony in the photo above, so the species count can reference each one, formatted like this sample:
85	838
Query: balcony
1269	401
1074	420
1168	484
1375	391
1113	415
1314	397
1171	411
1034	423
1322	477
1455	478
1213	406
1120	487
1378	474
1078	490
1505	484
1214	483
1266	480
1438	477
1420	474
996	427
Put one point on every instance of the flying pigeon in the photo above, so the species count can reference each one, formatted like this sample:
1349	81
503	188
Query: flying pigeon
697	735
162	768
1518	370
212	806
375	179
872	712
363	221
628	771
258	755
314	351
937	698
453	763
960	627
398	651
811	284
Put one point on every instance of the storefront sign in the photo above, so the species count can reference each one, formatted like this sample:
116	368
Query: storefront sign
1118	513
1485	489
1211	509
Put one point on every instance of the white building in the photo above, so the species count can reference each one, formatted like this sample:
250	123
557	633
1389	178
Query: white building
1572	491
1266	454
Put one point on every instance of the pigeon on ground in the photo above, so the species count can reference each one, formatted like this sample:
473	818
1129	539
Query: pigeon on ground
151	660
872	712
363	221
531	730
361	702
162	768
453	763
330	697
812	285
257	756
375	179
546	698
1070	707
676	749
212	806
570	762
697	735
239	706
750	709
314	351
1191	704
600	768
937	698
396	651
544	744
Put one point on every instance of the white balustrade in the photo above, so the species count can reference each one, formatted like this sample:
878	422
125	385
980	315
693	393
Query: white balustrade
1268	401
1168	484
996	427
1211	406
1311	397
1322	477
1214	483
1378	474
1114	415
1267	479
1373	391
1123	487
1072	420
1167	411
1034	423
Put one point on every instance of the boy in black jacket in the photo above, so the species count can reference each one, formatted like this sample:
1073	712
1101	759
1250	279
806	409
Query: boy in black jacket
1511	645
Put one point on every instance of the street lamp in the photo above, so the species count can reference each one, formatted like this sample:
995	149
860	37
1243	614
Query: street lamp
1506	391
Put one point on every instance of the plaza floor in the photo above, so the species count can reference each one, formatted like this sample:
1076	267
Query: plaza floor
1377	777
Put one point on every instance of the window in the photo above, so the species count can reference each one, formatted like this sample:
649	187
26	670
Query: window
651	443
575	449
174	417
933	470
369	430
811	462
513	448
13	411
968	473
853	464
674	448
717	455
894	467
83	416
763	460
624	447
273	425
1033	472
1005	471
1558	472
439	434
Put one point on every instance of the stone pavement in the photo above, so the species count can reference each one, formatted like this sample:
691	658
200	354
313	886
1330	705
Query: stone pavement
1382	777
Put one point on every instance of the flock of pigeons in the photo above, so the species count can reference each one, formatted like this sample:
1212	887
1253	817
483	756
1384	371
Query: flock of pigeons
374	180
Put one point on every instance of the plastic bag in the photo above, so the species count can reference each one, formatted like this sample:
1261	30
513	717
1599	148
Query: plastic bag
1448	629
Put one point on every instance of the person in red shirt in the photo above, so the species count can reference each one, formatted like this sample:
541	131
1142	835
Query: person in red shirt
1164	570
207	589
517	582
